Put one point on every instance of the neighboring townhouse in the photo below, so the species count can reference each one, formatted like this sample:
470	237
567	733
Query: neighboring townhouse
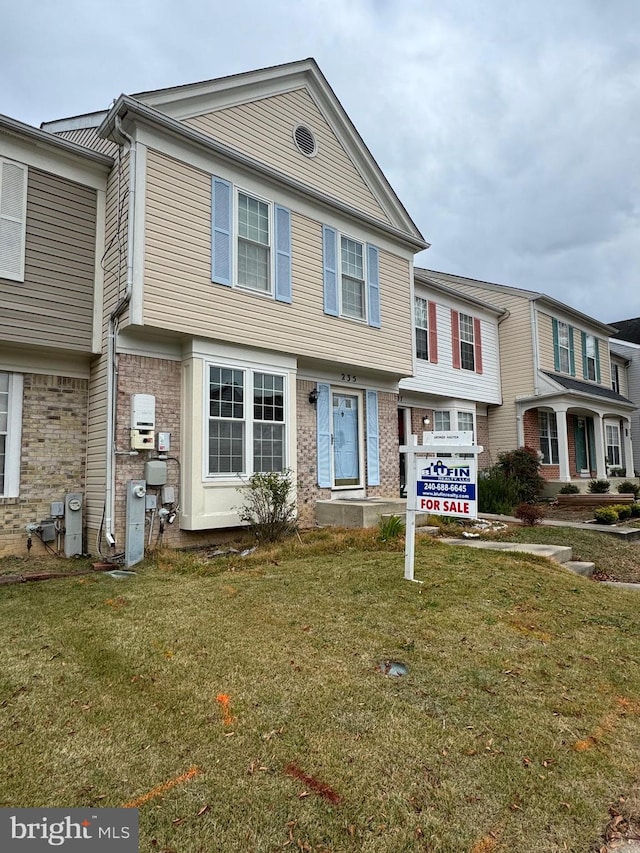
52	207
556	386
257	304
457	364
625	379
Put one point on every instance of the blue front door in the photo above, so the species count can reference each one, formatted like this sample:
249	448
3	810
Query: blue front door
346	458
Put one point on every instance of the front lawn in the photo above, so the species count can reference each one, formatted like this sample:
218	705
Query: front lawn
241	705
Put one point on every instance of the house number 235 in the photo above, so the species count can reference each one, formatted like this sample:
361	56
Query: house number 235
348	377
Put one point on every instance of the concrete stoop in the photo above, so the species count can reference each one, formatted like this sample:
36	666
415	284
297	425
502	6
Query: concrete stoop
560	553
358	512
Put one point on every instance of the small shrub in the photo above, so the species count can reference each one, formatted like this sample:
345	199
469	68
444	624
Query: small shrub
529	514
623	510
496	492
635	510
569	489
629	488
523	466
269	508
606	515
616	472
599	487
390	528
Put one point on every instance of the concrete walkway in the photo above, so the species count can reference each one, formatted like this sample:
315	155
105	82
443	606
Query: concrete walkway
628	534
560	553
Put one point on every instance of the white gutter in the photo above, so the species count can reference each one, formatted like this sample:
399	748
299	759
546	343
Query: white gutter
536	346
112	338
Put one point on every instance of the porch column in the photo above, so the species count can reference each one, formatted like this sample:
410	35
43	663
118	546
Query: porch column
628	448
563	444
598	434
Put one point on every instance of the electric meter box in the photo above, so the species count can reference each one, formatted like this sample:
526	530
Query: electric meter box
155	472
143	421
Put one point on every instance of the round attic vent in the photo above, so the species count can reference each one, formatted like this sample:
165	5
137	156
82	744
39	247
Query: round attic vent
305	141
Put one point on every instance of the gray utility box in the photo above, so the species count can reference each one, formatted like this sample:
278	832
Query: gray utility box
134	534
155	472
73	524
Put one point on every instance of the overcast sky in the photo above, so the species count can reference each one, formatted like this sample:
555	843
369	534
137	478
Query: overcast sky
510	130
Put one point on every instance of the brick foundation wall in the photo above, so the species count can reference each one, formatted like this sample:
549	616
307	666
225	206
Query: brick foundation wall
53	455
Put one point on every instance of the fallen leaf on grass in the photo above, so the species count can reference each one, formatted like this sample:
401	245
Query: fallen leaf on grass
203	810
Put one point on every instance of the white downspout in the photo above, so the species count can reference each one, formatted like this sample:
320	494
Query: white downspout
536	346
112	339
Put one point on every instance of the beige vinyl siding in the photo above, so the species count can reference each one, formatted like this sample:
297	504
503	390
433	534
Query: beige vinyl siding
516	363
180	296
88	137
264	130
547	359
53	306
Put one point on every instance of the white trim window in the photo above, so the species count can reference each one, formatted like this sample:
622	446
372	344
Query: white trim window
421	312
467	348
612	441
246	424
615	377
13	219
465	422
590	355
351	277
442	420
253	218
10	433
548	427
564	348
353	299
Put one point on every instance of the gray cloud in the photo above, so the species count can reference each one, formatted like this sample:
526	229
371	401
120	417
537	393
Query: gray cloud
510	131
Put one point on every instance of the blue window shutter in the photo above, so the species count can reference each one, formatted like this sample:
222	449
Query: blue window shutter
330	266
597	360
221	197
572	354
323	418
556	348
373	284
283	254
373	440
585	366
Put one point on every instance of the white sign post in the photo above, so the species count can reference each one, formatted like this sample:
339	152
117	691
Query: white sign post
439	483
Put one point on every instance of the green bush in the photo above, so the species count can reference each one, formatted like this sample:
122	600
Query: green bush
599	487
269	508
629	488
623	510
523	466
606	515
529	514
496	492
390	528
635	510
569	489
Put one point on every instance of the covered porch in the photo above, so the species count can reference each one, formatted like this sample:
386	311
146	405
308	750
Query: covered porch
579	437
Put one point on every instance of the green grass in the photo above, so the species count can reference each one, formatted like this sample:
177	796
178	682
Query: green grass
108	689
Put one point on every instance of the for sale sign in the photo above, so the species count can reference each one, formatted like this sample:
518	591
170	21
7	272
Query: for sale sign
447	486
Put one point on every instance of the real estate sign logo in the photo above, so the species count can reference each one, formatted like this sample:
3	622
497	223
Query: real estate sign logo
111	830
448	486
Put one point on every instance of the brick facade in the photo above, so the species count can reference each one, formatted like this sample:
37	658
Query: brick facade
389	447
53	456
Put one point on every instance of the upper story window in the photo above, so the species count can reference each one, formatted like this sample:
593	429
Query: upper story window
250	242
590	357
351	277
466	342
563	353
246	421
426	333
615	377
10	433
254	263
13	219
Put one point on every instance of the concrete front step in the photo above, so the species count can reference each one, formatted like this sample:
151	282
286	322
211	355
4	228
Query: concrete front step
559	553
581	567
357	512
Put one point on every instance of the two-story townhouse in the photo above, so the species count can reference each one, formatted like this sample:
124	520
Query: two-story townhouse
258	288
556	386
456	364
52	222
625	379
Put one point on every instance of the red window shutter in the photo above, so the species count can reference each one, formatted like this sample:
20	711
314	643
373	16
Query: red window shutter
477	345
455	339
433	334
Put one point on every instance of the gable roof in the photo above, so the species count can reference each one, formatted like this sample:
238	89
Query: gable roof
531	295
422	276
13	127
